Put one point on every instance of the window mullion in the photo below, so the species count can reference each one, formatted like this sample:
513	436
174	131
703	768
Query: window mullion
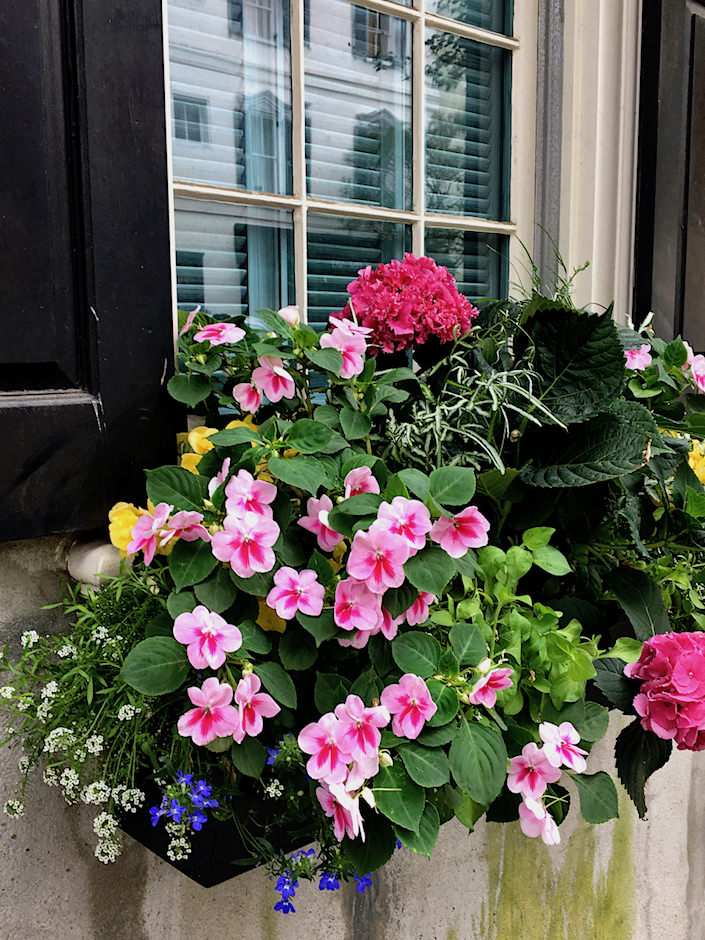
418	125
298	149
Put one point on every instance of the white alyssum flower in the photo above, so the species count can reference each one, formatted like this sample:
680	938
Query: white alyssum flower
7	691
80	755
24	764
105	825
108	850
99	634
179	849
59	739
44	711
97	792
127	712
29	638
14	808
274	789
51	777
132	800
22	704
50	690
67	651
70	781
94	743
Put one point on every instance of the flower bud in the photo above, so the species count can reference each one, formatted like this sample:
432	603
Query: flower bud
368	796
484	666
385	759
464	697
247	668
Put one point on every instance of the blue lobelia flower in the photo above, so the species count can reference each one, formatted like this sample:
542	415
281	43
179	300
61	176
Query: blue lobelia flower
328	882
272	754
363	881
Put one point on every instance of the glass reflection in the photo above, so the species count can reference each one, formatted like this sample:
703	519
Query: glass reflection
495	15
477	261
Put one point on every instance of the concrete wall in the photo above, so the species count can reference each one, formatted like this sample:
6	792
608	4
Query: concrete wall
626	880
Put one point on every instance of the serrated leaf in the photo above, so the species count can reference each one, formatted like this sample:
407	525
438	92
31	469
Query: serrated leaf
254	639
306	473
217	592
639	754
234	436
177	487
426	766
376	850
249	757
156	666
478	761
468	643
354	423
598	796
162	624
180	602
259	584
640	598
308	436
322	627
416	653
367	686
538	537
627	649
416	482
329	359
446	701
424	841
398	600
614	685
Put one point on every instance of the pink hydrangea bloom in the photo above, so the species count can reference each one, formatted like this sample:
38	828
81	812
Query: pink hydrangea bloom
467	529
245	494
208	636
377	557
322	740
408	518
360	480
484	691
359	733
248	396
146	530
410	704
638	358
344	809
420	610
560	745
213	717
253	706
405	302
189	321
352	348
531	772
296	591
317	522
247	543
273	379
697	371
671	701
186	525
535	820
219	333
356	607
220	477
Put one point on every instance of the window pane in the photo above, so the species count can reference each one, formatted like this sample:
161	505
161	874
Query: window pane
495	15
467	116
477	261
233	259
231	89
338	249
358	105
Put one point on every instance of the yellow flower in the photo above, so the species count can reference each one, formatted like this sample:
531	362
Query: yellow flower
247	422
123	517
696	459
190	462
268	619
198	439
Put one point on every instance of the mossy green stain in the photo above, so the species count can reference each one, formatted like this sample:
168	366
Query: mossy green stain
531	895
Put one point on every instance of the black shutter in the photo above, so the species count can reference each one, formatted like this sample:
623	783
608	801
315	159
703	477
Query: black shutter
84	249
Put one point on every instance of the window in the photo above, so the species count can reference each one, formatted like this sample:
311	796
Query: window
350	137
190	119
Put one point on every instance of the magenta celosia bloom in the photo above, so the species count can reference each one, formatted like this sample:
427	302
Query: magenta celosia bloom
560	745
273	379
219	333
316	521
245	494
671	701
356	607
248	396
360	480
408	518
531	772
351	347
638	358
220	477
294	591
344	809
189	321
146	530
359	733
186	525
697	371
321	739
208	637
420	609
535	820
253	706
213	717
377	557
405	302
247	543
410	704
467	529
484	691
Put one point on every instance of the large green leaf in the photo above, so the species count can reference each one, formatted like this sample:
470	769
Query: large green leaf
417	653
398	797
638	754
329	359
478	761
278	683
217	592
309	437
322	627
306	473
452	486
378	847
258	584
468	643
424	841
354	423
614	685
598	796
425	765
156	666
640	598
446	701
234	436
363	506
430	570
189	388
191	562
249	757
177	487
330	690
297	650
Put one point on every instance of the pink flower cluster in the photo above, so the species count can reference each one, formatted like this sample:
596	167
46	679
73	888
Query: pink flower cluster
249	528
270	378
696	364
405	302
349	339
671	701
154	530
638	359
215	717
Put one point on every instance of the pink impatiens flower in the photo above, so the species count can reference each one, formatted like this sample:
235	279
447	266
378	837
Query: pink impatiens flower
530	772
146	530
189	321
535	820
213	717
408	518
697	370
484	691
359	733
294	591
360	480
410	704
345	810
317	522
420	609
247	543
455	535
273	379
218	333
377	557
560	745
291	314
220	477
253	706
638	358
208	635
321	739
248	396
186	525
245	494
350	327
356	607
352	348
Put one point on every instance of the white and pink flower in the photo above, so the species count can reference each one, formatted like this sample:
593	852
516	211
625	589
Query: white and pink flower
531	772
213	717
344	809
273	379
245	494
410	704
322	740
377	557
296	591
420	610
248	396
456	534
186	525
316	521
359	726
219	333
638	359
535	820
146	531
246	543
484	691
560	746
360	480
407	518
253	706
208	637
352	348
356	607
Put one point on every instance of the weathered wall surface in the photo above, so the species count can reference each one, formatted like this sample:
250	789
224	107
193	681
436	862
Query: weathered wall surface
626	880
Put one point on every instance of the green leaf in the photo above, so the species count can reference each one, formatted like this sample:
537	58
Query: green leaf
675	354
402	374
330	690
467	564
395	487
329	359
258	584
446	701
177	487
519	561
614	685
309	437
478	761
156	666
538	537
322	627
343	517
424	841
378	847
366	686
416	482
627	649
306	473
694	503
327	414
218	591
639	754
417	653
640	599
254	639
354	424
249	757
426	766
448	664
189	388
468	643
297	650
436	737
551	560
398	600
160	625
320	564
598	796
191	562
398	797
275	323
430	570
277	683
452	486
469	812
234	436
180	602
